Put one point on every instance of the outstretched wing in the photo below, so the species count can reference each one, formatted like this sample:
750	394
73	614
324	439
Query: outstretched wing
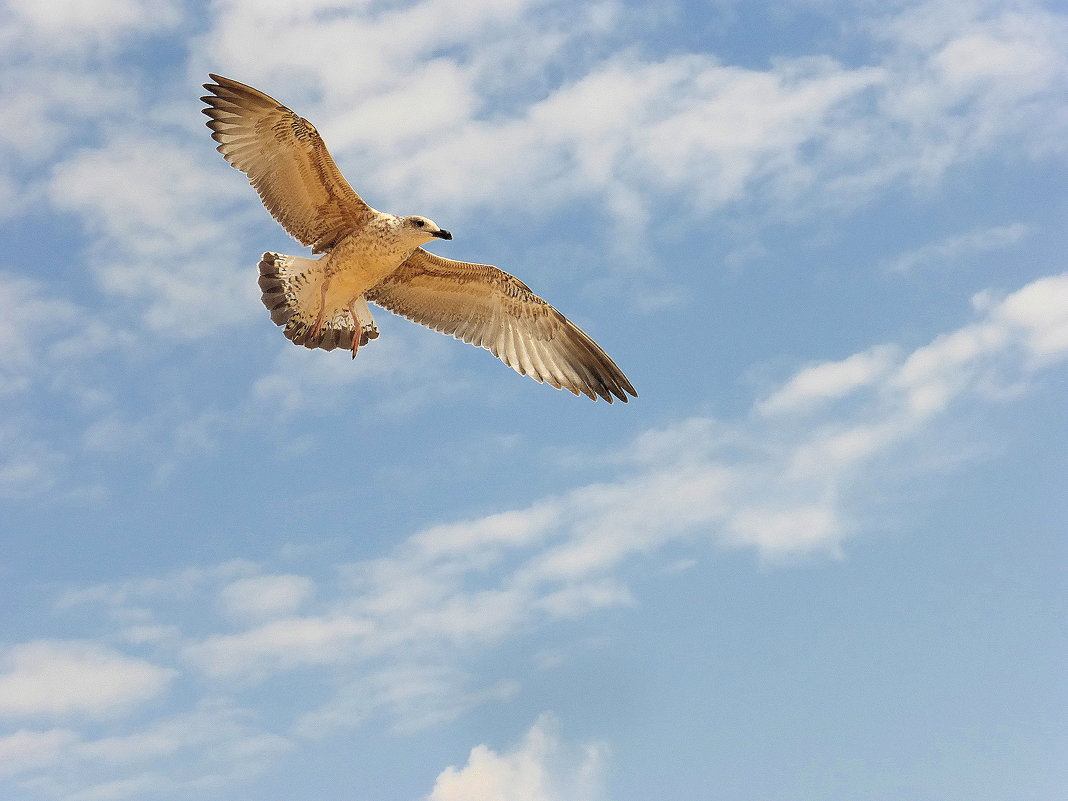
489	308
286	161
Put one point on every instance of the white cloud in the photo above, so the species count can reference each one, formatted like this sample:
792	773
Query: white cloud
487	535
212	745
184	583
413	695
829	381
118	789
27	750
955	249
57	678
1039	312
266	596
28	466
623	123
300	379
214	724
82	24
30	306
277	646
149	201
541	768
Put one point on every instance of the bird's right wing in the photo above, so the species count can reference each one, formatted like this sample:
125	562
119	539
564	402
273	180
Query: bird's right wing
489	308
287	163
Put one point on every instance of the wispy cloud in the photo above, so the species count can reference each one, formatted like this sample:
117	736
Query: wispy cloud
84	26
829	381
265	596
62	678
146	199
955	249
62	763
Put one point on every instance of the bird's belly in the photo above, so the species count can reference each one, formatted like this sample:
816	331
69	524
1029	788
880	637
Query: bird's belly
353	274
355	280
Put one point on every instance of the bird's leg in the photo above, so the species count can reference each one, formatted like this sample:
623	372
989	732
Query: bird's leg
318	327
357	327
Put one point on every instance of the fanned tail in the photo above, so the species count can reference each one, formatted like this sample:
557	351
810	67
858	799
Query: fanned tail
292	293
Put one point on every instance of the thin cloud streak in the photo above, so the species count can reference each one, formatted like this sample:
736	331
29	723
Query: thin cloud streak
953	250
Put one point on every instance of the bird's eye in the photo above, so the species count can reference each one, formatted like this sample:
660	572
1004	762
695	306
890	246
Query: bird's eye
419	223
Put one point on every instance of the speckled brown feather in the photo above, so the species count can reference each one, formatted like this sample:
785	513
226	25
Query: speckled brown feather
486	307
286	162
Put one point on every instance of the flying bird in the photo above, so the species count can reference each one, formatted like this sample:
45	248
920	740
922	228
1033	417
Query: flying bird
369	255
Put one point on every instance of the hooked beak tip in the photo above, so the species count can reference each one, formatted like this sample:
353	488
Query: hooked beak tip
442	234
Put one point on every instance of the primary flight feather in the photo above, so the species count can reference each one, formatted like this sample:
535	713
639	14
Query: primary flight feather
369	255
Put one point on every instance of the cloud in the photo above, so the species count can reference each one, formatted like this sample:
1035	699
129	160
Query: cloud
265	596
34	362
27	750
1038	314
279	645
118	789
214	725
627	125
185	583
28	466
542	767
411	696
56	368
955	249
59	678
84	24
209	747
408	367
148	202
829	381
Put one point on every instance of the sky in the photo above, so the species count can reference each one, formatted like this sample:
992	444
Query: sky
821	557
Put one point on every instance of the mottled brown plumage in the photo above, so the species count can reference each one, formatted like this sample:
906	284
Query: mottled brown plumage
374	256
286	162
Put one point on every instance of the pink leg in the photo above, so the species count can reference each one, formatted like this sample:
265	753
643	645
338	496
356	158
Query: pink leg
357	328
318	327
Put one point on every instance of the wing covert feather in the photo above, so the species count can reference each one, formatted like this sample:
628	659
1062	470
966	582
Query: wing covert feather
486	307
286	162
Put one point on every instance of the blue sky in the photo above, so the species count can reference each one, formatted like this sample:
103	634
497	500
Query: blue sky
820	557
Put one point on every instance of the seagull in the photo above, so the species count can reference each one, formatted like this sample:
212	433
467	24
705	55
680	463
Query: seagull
369	255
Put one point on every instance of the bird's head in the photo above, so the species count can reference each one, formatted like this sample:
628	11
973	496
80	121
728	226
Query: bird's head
423	230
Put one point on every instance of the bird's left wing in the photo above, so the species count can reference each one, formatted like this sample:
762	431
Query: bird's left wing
489	308
286	161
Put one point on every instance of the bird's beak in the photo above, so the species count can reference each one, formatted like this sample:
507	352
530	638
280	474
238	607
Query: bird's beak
442	234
